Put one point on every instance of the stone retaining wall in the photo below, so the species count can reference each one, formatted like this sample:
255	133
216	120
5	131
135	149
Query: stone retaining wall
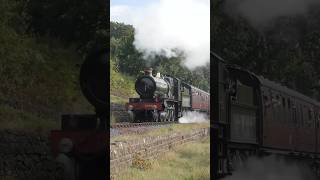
25	156
123	153
119	112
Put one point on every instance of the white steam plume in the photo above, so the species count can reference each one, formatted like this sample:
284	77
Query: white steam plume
271	168
193	117
260	12
170	24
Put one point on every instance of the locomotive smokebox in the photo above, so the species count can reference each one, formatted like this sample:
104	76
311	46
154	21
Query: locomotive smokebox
148	86
93	79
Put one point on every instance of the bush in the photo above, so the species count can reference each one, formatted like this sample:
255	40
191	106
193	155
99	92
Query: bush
120	84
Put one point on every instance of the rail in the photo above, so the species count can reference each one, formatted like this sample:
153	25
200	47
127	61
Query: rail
129	125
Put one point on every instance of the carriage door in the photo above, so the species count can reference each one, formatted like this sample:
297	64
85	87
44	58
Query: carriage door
243	114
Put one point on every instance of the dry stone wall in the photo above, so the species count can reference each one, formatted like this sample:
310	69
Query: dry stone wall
122	154
119	112
25	156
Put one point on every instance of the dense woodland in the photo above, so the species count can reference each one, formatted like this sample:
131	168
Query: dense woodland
128	60
286	50
43	44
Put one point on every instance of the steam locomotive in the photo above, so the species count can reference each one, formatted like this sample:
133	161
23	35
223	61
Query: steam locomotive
165	98
254	116
81	144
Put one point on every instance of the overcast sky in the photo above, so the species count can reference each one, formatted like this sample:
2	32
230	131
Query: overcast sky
164	25
121	9
131	2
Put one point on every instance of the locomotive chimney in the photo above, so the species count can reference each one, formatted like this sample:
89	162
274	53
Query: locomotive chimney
148	71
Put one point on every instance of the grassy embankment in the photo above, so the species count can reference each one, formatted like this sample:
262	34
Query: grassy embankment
37	74
188	162
39	82
121	87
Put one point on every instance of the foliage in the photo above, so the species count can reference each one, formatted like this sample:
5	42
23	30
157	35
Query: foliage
39	72
72	21
140	163
120	84
128	59
287	50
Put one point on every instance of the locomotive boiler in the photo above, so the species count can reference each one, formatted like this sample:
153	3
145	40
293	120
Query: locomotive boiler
164	98
148	86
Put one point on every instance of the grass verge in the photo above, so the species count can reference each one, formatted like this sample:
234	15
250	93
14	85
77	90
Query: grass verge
14	119
118	100
187	162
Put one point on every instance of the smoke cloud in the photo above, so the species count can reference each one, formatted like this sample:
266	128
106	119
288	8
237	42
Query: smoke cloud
164	25
193	117
271	168
260	12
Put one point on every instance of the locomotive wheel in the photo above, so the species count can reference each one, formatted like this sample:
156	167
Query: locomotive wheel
172	116
167	117
173	113
155	116
131	116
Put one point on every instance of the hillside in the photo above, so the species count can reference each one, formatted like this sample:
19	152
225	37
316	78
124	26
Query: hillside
39	70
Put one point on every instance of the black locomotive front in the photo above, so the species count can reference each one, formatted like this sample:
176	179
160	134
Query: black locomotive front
160	98
148	86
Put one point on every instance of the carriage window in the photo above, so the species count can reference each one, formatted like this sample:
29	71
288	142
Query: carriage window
278	102
289	105
301	116
283	102
265	100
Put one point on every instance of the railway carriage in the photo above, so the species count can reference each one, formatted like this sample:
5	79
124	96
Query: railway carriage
257	116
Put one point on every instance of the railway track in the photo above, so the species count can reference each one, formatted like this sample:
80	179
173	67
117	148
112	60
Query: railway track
144	124
135	128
